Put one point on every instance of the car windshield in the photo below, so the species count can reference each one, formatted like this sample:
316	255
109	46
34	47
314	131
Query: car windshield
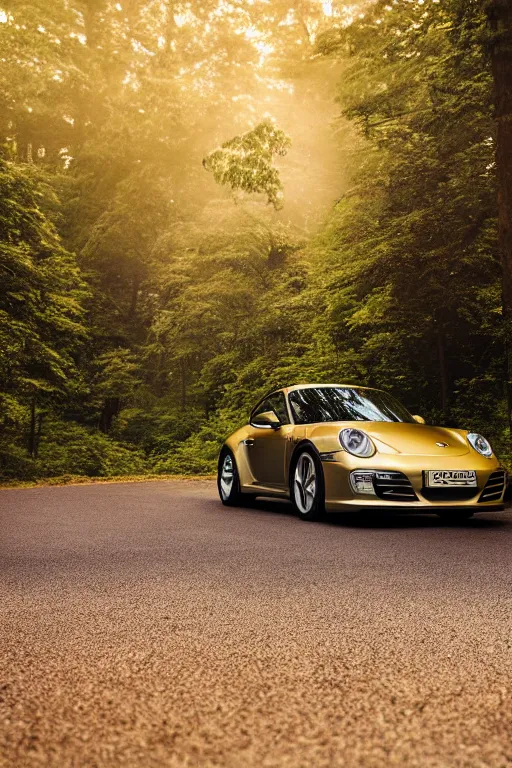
310	406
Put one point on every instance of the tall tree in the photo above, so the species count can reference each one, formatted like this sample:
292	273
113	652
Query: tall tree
500	19
414	247
41	306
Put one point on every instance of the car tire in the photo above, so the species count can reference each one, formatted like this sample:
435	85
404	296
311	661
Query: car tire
455	515
307	489
228	481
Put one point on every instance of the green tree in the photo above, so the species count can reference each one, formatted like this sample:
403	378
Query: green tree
500	20
414	282
116	381
42	329
245	162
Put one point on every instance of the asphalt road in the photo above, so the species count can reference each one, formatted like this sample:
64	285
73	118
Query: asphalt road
147	625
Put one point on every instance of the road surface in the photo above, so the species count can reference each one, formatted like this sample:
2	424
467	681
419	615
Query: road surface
147	625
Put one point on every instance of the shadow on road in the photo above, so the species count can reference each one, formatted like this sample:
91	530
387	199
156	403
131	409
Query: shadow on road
401	520
386	520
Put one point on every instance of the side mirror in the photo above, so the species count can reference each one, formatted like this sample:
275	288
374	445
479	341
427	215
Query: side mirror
419	419
266	420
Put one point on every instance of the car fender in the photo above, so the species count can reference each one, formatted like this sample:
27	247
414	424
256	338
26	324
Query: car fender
305	443
235	444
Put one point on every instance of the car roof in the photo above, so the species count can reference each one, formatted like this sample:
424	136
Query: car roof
294	387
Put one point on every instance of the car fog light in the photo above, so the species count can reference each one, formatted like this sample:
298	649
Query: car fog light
362	482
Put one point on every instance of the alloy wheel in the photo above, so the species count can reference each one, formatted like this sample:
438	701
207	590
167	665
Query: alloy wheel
304	485
227	476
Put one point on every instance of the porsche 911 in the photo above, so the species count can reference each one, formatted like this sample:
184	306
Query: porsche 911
335	448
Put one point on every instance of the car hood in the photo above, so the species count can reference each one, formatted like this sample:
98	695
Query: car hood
420	439
411	439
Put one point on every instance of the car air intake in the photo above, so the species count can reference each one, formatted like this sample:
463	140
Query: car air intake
454	493
393	486
494	487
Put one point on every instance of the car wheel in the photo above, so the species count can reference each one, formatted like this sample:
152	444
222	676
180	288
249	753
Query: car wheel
307	486
228	481
455	515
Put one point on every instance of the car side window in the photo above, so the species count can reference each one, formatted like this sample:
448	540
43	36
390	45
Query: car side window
276	403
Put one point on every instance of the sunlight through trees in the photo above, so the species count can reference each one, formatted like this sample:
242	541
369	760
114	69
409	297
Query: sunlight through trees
202	200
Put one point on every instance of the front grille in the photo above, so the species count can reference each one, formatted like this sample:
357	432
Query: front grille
454	493
393	486
494	487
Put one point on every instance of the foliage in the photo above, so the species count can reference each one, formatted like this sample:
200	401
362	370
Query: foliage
414	278
144	308
245	162
41	314
68	448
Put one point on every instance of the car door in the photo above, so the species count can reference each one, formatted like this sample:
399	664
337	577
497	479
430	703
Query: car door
267	448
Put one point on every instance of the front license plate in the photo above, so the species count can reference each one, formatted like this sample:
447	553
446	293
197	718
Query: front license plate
444	477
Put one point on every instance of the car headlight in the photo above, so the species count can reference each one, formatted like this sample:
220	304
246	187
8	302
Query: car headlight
480	444
357	442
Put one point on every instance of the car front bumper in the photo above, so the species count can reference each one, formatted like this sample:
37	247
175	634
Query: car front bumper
339	495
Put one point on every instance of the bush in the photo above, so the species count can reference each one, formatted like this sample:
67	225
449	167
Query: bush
158	430
199	453
15	463
193	457
68	448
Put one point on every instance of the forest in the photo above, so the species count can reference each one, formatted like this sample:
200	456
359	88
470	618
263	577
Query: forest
204	200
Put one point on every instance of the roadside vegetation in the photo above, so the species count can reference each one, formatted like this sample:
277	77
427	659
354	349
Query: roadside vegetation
45	482
202	201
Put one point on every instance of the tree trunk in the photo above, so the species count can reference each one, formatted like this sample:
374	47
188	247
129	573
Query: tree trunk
183	369
111	408
37	436
443	377
500	19
169	28
32	431
85	102
134	297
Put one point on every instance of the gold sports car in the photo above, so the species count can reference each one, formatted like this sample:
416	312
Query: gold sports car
335	447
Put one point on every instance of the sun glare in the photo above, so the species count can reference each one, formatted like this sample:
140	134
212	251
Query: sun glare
183	17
